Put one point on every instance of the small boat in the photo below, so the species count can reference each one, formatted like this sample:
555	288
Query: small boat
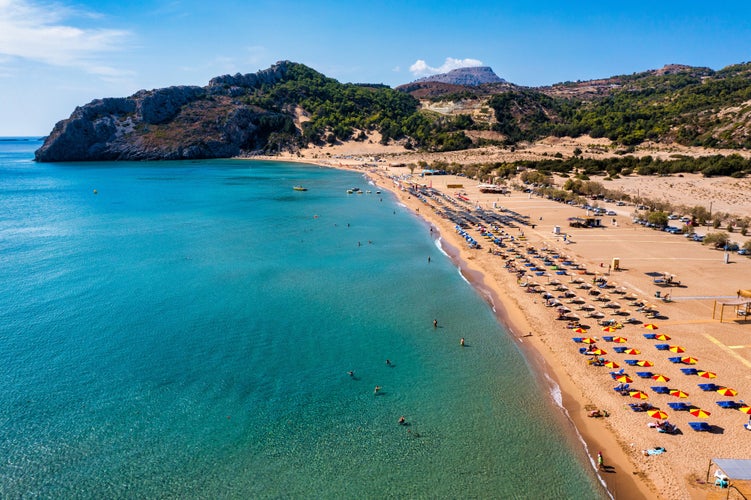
300	188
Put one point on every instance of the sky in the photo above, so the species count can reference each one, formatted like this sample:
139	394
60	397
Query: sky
56	55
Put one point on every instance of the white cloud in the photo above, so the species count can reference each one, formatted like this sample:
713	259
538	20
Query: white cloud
421	68
43	33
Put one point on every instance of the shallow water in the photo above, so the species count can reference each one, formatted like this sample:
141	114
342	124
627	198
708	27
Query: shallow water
185	330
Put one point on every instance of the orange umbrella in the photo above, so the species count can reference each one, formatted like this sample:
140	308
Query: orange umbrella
644	362
650	326
657	414
727	391
676	348
624	379
662	337
745	409
580	330
589	340
706	374
609	329
688	360
632	351
678	394
661	378
598	352
612	364
638	395
698	412
620	340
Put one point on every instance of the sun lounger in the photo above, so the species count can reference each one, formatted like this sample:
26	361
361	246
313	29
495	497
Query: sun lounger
689	371
608	338
640	407
660	389
631	362
583	350
650	336
680	406
619	350
708	387
622	388
675	359
577	339
732	405
644	374
618	373
699	426
662	347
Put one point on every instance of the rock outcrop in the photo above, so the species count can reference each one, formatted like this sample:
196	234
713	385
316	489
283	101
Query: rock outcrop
470	77
183	122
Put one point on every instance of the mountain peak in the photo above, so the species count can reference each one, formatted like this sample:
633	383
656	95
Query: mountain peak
473	76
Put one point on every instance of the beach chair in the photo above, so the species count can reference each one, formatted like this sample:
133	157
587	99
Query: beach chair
644	374
622	389
582	350
620	372
608	338
632	362
680	406
689	371
662	347
708	387
650	336
700	426
620	350
660	389
731	405
675	359
577	339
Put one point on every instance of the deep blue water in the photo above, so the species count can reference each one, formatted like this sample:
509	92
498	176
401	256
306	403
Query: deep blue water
185	330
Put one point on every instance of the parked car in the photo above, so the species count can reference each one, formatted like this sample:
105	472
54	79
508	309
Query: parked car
743	251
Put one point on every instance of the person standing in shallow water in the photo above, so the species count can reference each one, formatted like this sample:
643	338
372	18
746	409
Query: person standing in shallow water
435	323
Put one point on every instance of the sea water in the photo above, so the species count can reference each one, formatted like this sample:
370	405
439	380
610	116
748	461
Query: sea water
186	329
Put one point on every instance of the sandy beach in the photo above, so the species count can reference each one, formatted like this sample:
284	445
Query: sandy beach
595	289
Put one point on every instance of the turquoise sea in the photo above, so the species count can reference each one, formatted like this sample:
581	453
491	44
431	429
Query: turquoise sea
185	330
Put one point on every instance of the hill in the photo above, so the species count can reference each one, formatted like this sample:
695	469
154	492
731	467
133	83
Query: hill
290	106
472	77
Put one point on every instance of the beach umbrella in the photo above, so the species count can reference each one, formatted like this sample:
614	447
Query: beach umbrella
644	362
727	391
688	360
612	364
657	414
650	326
588	340
609	329
580	330
662	337
598	352
638	395
660	378
698	412
676	348
745	409
706	374
620	340
632	351
678	393
624	379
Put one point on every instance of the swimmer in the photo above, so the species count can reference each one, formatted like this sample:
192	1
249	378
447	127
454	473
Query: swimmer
461	342
402	420
377	389
435	323
351	373
388	362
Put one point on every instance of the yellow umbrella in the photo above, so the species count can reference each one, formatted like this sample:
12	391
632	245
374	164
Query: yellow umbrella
745	409
650	326
598	352
624	379
620	340
706	374
661	378
678	394
657	414
580	330
638	395
612	364
644	362
609	329
698	412
676	348
688	360
662	337
727	391
632	351
588	340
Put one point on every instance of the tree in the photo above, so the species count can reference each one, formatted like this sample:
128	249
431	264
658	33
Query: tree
659	218
719	239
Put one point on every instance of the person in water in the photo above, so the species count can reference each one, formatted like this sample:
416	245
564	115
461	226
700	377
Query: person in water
435	323
377	389
351	373
402	420
388	362
461	342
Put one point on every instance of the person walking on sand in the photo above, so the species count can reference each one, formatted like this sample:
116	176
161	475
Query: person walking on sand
600	461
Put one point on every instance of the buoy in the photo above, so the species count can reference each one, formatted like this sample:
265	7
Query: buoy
96	192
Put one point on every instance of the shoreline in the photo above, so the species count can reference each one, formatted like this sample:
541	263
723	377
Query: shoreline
620	484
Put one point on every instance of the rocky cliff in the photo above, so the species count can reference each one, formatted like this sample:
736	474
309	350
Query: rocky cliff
173	123
470	77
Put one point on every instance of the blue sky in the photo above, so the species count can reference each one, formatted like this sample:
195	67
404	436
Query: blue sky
55	55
